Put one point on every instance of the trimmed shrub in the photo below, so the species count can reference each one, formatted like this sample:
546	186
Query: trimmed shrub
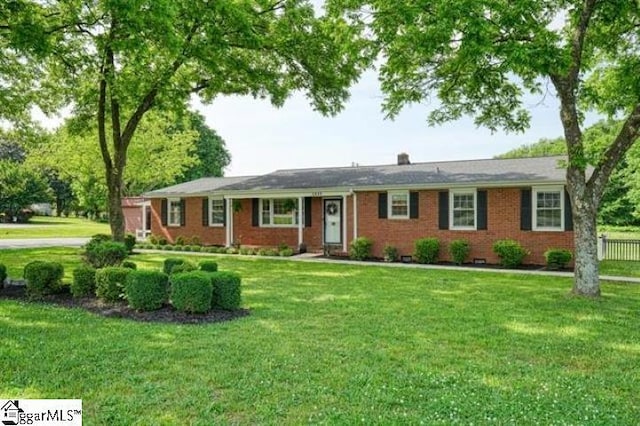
557	258
129	264
459	250
3	273
286	252
192	291
153	239
196	249
146	290
360	248
226	290
84	281
162	241
43	278
110	283
208	266
105	253
390	253
99	238
196	241
129	242
510	252
231	250
180	241
186	266
170	262
426	250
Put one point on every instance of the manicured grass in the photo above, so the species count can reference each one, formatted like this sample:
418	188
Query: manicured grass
620	232
52	227
343	344
623	268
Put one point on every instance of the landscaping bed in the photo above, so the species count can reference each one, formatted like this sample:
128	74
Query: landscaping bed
166	314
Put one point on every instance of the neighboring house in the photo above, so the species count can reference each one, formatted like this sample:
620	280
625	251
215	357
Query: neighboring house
480	200
137	216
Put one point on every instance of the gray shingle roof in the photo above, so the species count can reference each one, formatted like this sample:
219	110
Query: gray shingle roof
195	187
516	171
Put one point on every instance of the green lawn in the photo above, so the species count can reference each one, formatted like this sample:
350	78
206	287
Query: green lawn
342	344
620	232
52	227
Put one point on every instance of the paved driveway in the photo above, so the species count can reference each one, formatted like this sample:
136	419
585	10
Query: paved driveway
42	242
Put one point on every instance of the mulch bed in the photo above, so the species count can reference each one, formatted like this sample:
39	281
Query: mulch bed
167	314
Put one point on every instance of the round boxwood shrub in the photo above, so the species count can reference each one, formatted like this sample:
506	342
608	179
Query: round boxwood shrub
286	252
110	282
459	250
170	262
43	278
105	253
129	264
557	258
426	250
208	266
186	266
390	253
192	291
226	290
3	274
129	242
84	281
360	248
510	252
146	290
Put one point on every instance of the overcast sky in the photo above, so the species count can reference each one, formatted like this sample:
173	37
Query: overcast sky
262	138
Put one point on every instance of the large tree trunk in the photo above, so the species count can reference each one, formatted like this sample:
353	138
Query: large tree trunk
116	215
586	277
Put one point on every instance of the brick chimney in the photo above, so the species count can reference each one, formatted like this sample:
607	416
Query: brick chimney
403	159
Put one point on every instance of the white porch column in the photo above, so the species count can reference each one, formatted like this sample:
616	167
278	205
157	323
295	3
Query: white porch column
344	223
300	205
229	221
355	215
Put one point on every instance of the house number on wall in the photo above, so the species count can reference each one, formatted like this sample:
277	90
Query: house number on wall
316	194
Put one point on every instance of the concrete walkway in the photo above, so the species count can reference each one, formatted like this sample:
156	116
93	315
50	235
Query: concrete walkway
42	242
317	258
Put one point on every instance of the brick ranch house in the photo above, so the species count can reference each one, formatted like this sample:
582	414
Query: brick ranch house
479	200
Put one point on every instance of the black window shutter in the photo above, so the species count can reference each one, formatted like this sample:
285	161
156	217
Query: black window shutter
414	209
183	212
307	211
568	216
525	209
443	210
382	205
164	211
482	209
205	212
255	212
224	212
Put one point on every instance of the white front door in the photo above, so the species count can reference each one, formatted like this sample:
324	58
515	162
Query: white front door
333	221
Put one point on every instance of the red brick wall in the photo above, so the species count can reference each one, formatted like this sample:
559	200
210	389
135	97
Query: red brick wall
209	235
132	218
503	221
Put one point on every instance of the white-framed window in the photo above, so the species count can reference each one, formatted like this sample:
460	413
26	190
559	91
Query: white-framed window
548	208
216	212
398	205
281	212
463	209
174	206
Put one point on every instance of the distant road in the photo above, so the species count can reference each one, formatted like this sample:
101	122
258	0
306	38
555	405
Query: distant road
42	242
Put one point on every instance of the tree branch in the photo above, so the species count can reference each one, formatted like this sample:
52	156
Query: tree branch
577	42
102	135
629	133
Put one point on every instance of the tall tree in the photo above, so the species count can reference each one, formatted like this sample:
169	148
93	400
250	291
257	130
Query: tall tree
211	151
21	187
121	59
162	150
480	57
